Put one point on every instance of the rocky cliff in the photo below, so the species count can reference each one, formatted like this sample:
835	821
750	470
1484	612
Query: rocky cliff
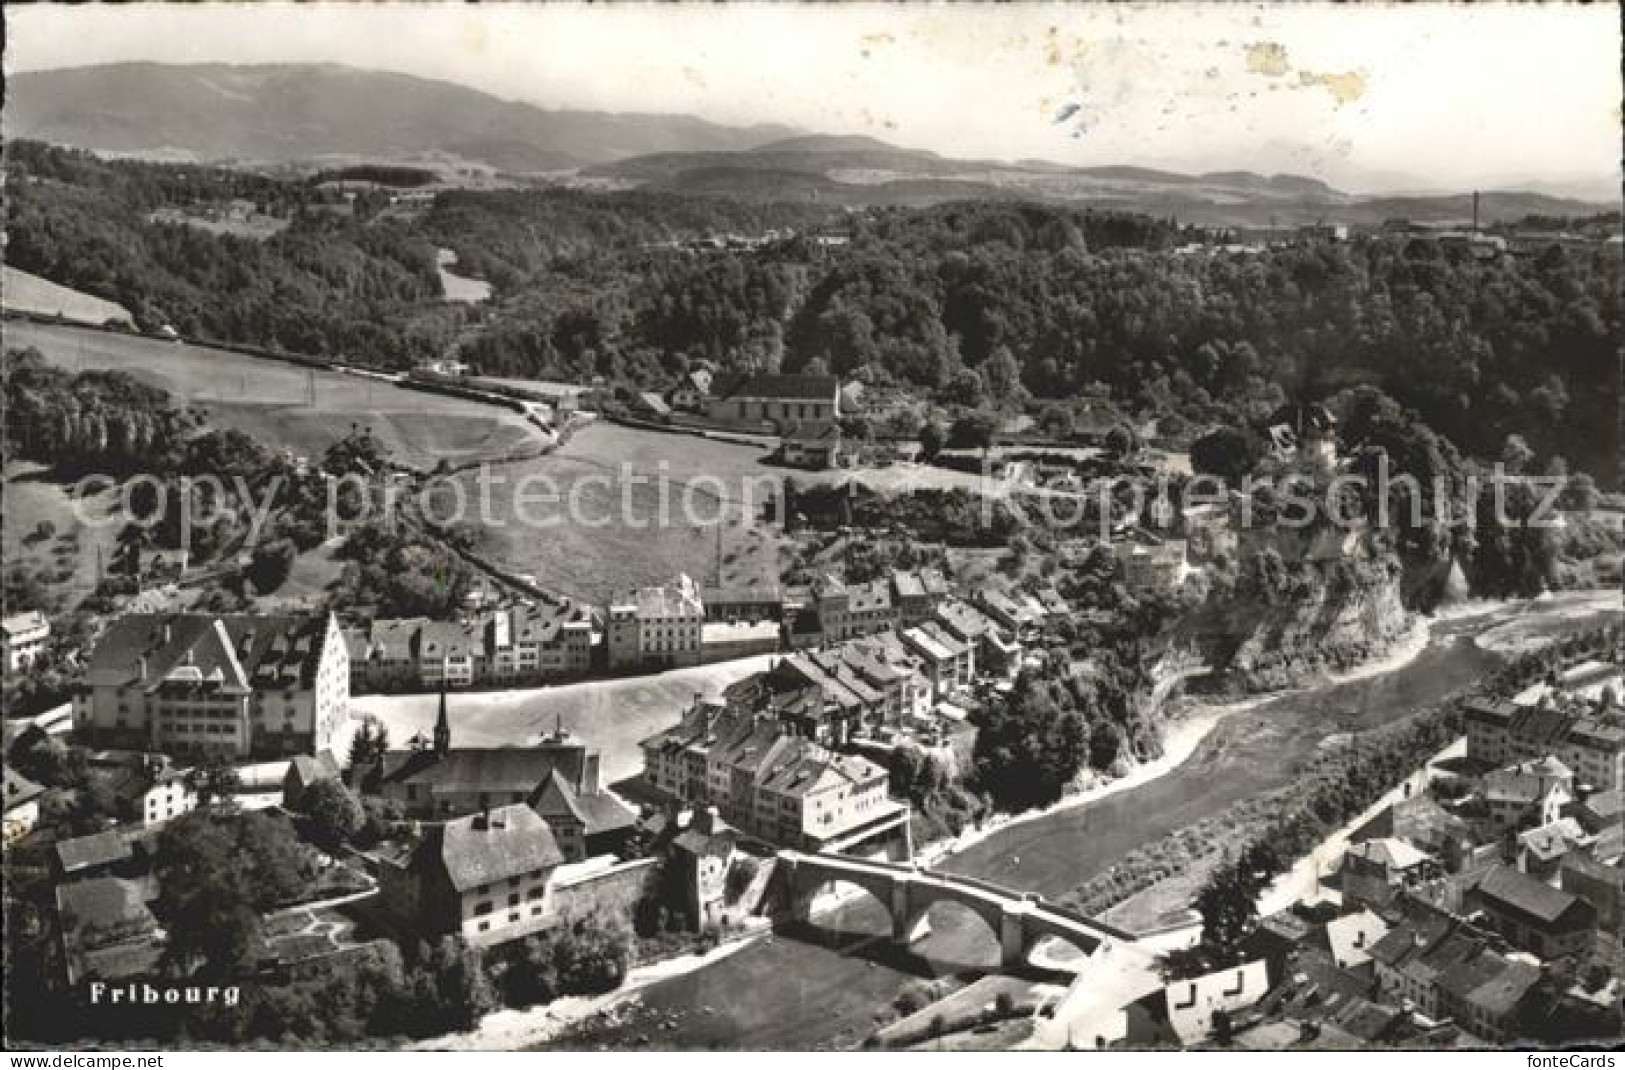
1346	613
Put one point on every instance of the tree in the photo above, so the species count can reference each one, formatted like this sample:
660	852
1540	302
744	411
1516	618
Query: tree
214	781
973	431
1516	455
270	564
1228	453
218	871
932	439
336	815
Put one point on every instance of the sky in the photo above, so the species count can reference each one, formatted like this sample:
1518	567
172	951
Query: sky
1366	96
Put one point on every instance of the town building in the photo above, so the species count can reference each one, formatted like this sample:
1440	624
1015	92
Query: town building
917	594
229	686
746	602
727	640
305	772
813	446
1374	871
151	790
700	858
484	877
692	391
511	646
1531	914
782	401
769	782
949	662
1185	1013
437	781
656	627
1444	968
1590	742
1599	883
1150	563
1529	793
100	854
107	930
846	611
22	806
996	651
24	636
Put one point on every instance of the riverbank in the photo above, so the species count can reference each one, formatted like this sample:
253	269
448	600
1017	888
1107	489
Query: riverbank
1180	742
515	1030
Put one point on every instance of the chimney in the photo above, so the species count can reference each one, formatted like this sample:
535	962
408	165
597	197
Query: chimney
141	667
166	633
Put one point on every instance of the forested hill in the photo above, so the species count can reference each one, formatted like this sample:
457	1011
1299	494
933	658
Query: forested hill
977	304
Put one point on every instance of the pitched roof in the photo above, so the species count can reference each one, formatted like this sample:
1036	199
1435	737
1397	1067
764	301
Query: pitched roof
509	841
23	623
1507	887
99	849
1352	936
264	652
20	790
781	387
497	770
1390	853
1188	1006
307	770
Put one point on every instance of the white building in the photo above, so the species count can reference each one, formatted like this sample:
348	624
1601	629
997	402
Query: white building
24	636
216	686
656	626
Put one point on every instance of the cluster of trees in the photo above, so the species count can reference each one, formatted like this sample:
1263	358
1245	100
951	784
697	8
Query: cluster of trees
328	285
401	574
980	304
1336	786
105	422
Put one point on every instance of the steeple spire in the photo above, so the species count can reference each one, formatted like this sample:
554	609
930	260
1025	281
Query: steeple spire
442	727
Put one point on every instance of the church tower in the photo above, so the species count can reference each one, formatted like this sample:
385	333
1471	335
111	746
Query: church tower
442	727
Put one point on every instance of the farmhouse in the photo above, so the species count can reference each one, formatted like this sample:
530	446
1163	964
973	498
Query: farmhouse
814	446
783	401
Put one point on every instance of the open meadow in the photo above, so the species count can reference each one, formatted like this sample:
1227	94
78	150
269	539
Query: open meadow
632	508
286	406
30	293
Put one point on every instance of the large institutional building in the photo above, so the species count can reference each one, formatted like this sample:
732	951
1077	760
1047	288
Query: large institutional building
204	686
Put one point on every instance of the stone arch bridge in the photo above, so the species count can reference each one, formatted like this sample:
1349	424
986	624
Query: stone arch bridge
1018	919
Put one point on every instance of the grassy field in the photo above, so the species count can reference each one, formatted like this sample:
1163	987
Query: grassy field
30	293
612	715
236	224
66	561
284	405
633	508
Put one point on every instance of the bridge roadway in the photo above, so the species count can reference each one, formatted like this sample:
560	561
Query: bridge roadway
1017	919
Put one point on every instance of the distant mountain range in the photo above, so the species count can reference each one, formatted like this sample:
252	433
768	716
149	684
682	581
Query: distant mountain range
297	112
309	113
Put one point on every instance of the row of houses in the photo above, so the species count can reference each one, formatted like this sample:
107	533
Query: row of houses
1586	737
768	780
514	645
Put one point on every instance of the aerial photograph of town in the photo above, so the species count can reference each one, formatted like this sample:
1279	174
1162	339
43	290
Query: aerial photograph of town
617	528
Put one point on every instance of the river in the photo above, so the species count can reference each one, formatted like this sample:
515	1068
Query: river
822	987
